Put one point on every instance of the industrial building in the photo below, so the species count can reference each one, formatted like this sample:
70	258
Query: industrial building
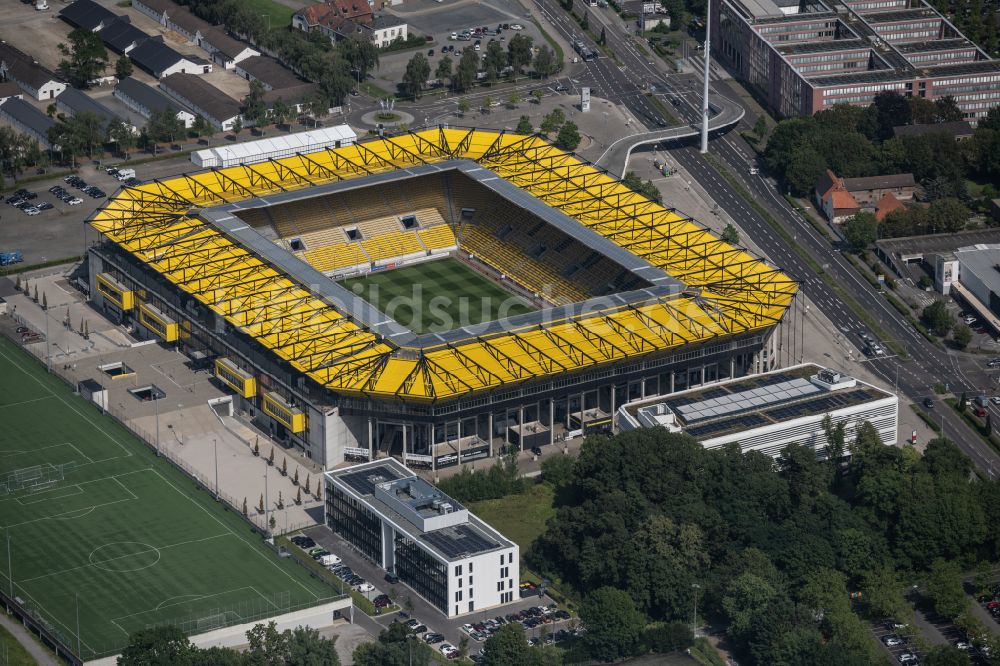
194	93
804	57
447	555
28	120
146	100
767	412
970	273
629	299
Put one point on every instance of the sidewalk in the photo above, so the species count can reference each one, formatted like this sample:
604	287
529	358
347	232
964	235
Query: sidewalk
27	640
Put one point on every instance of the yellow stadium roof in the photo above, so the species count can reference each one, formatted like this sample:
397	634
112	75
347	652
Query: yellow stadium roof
728	290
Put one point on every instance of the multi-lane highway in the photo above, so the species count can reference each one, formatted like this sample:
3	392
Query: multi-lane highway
629	83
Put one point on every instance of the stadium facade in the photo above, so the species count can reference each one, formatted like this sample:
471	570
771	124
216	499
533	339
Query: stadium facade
239	267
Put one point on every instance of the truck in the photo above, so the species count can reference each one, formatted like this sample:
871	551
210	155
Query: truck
125	174
8	258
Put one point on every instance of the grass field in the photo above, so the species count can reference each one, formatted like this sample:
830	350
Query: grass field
520	518
437	296
12	652
123	536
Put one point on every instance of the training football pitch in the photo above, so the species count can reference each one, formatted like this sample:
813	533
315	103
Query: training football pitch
106	537
437	296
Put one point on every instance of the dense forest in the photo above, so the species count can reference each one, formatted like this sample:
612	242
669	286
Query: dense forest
770	550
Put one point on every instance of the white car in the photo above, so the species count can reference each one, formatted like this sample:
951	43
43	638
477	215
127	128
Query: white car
447	649
962	645
75	201
908	658
31	210
516	26
365	587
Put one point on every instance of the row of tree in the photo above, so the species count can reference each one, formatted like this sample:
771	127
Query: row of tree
771	549
495	63
266	646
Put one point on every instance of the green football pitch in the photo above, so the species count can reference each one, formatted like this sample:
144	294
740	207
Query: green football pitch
104	538
437	296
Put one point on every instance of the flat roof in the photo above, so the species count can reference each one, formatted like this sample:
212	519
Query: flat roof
825	47
981	260
932	72
761	400
453	542
937	243
935	45
902	15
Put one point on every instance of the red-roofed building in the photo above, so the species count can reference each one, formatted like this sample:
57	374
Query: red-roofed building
334	17
886	205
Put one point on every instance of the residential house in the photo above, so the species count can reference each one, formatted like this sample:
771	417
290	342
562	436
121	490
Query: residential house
160	60
886	205
121	36
146	100
18	66
840	198
224	50
385	29
958	129
87	14
74	101
26	119
196	94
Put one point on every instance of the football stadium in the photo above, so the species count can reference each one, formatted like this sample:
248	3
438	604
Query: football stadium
439	295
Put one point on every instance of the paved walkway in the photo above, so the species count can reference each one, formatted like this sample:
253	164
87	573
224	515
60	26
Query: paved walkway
27	640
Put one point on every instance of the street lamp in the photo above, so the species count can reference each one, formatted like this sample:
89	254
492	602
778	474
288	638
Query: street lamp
694	624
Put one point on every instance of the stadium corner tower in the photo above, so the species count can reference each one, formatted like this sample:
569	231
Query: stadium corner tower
275	275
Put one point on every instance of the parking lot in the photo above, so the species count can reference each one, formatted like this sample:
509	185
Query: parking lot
440	20
540	625
892	636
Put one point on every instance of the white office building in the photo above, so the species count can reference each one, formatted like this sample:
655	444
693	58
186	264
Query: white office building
455	561
770	411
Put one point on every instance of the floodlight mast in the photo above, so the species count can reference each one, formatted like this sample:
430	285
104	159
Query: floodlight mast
704	101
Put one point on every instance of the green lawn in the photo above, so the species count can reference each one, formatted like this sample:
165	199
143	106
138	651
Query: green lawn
437	296
281	16
520	518
96	520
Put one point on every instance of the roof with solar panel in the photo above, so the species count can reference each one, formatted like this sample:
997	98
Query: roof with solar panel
683	285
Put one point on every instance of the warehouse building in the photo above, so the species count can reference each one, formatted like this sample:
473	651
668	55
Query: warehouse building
768	412
74	101
447	555
161	61
18	66
146	100
196	94
26	119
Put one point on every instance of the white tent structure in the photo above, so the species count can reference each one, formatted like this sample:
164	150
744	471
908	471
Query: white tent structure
251	152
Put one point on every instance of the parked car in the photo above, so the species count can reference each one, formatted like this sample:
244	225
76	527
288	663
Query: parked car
432	638
892	640
44	205
31	210
365	587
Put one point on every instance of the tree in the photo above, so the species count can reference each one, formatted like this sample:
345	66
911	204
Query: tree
947	215
947	109
164	125
284	466
237	125
280	111
519	52
946	655
937	318
444	71
494	61
253	109
463	106
557	470
545	64
613	624
507	646
860	231
487	104
537	94
270	458
568	137
244	506
647	189
963	402
962	335
760	127
201	126
395	647
362	54
123	67
514	98
302	645
418	70
889	109
159	646
553	121
121	134
524	126
468	67
85	58
585	21
260	504
80	134
731	234
803	169
944	588
603	39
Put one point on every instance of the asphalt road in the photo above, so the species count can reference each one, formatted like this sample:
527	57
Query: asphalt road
927	364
